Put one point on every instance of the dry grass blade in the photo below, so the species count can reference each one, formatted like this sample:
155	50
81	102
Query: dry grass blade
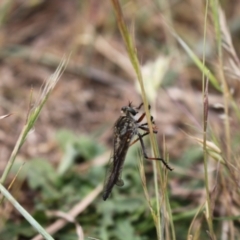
212	149
205	153
5	7
194	58
75	211
15	177
33	115
227	44
70	219
131	49
5	116
144	185
107	50
233	68
134	60
190	236
226	93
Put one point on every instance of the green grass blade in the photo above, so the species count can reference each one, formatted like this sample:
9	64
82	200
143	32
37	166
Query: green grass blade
33	116
197	61
24	213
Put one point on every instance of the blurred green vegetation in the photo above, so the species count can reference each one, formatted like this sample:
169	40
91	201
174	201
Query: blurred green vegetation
171	39
122	216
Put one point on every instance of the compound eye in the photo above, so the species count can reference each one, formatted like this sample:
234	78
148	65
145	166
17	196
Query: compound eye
134	112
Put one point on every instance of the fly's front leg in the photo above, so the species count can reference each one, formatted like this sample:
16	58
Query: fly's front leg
139	107
141	118
141	104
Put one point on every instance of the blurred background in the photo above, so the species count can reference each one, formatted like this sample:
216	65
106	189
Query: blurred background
65	154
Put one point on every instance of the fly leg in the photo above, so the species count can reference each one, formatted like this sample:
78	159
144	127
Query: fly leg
151	158
141	118
147	129
143	135
143	127
141	104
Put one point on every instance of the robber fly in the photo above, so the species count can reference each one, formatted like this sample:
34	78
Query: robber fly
125	129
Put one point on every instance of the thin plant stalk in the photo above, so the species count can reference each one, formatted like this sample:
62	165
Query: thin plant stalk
144	184
33	116
205	124
134	60
205	121
4	10
166	197
159	202
226	92
165	8
161	226
194	218
24	213
169	210
195	58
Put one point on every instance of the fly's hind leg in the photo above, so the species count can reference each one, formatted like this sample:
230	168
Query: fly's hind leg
142	135
152	158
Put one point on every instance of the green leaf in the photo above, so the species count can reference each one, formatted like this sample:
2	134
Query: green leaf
64	137
191	156
68	159
125	230
11	231
41	174
74	147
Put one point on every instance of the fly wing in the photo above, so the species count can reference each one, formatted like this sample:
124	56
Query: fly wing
113	176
